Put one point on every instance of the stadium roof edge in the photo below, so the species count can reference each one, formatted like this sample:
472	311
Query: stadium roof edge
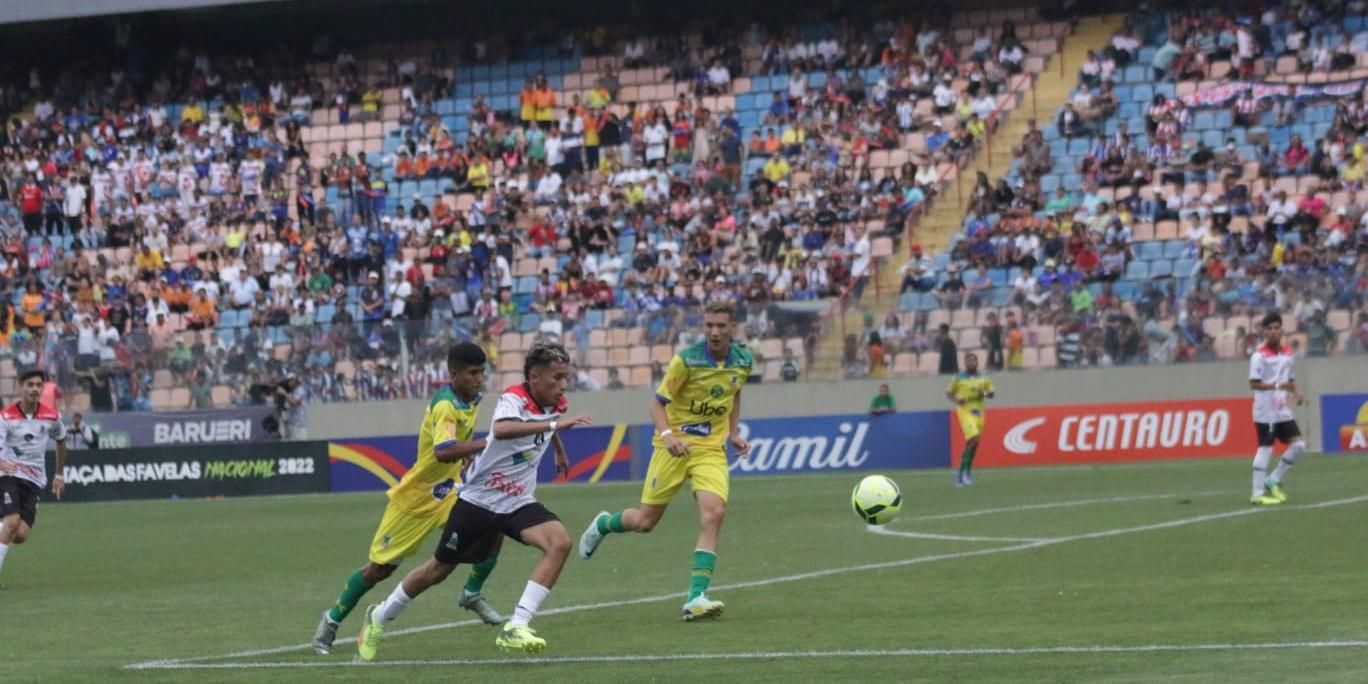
22	11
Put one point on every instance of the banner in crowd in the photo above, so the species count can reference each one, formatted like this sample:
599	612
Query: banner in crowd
843	442
133	429
1111	433
371	463
1344	423
1222	95
210	470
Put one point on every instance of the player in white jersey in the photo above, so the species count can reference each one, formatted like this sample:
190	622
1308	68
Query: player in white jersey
219	171
25	428
498	498
1270	376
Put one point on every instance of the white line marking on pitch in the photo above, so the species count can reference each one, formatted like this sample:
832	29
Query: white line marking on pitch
1054	504
879	529
166	663
762	655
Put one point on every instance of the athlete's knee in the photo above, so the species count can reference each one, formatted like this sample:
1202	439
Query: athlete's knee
713	512
558	544
20	535
375	572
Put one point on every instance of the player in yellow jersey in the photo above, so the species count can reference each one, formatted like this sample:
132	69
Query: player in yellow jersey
967	391
420	503
695	412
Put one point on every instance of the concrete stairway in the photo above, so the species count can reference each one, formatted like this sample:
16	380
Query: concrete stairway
1052	88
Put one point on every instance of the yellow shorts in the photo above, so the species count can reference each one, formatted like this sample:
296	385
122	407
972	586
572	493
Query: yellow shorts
401	533
971	421
705	469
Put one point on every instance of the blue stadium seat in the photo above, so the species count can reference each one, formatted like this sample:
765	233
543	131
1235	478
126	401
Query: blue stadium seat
1149	250
1137	270
1160	268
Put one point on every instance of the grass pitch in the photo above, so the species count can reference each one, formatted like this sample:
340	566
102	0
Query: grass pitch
1150	573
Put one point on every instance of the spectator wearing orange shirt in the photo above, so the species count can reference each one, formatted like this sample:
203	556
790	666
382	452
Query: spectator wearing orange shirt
543	102
423	165
527	104
403	165
203	312
34	306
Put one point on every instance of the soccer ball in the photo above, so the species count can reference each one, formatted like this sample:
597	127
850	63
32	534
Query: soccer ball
876	499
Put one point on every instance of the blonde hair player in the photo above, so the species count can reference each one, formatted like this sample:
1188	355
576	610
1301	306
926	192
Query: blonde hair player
696	411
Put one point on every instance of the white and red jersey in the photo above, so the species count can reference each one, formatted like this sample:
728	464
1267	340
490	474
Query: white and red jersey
26	440
187	181
102	183
218	177
1272	365
503	478
144	171
250	175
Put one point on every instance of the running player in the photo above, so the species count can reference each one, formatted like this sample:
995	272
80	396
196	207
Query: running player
966	391
422	500
696	411
498	500
25	428
1270	376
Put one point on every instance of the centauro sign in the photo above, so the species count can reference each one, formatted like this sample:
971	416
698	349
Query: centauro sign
215	470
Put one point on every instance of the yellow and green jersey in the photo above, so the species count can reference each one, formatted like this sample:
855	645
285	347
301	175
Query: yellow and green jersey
699	393
429	487
971	389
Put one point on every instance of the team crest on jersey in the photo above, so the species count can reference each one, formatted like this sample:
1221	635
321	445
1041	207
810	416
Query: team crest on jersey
384	541
716	391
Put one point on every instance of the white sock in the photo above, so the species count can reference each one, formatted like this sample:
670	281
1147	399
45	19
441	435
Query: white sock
1289	459
531	600
393	606
4	550
1261	458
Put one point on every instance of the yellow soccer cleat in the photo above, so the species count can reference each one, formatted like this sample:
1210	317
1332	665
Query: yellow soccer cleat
368	644
702	608
520	639
1265	500
1275	490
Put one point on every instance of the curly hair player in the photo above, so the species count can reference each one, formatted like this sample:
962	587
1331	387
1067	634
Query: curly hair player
498	500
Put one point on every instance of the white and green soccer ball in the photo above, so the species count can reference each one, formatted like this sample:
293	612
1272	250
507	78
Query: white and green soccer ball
876	499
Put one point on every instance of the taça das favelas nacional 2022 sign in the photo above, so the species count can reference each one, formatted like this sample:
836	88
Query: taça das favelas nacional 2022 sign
1113	433
210	470
1344	423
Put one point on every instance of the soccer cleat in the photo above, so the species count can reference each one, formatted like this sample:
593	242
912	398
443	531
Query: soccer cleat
1275	490
959	479
324	635
520	639
590	540
479	605
702	608
368	644
968	480
1265	500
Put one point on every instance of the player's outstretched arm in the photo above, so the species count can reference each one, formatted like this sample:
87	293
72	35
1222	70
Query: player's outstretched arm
59	482
733	425
512	428
458	450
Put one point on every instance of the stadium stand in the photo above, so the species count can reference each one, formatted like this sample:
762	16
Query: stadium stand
346	219
1203	172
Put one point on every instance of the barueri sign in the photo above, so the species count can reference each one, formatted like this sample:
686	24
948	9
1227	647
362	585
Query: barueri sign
1108	433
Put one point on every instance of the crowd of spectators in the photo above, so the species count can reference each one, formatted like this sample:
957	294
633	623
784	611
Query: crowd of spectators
142	205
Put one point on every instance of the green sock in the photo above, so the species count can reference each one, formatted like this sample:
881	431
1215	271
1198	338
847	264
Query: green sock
480	572
612	523
967	458
703	564
357	586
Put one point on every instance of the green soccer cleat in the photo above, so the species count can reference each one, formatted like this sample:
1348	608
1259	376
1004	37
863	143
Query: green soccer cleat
479	605
590	540
521	639
702	608
1275	490
1265	500
368	644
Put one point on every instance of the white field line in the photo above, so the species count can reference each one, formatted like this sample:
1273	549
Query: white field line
762	655
165	663
879	529
1055	504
